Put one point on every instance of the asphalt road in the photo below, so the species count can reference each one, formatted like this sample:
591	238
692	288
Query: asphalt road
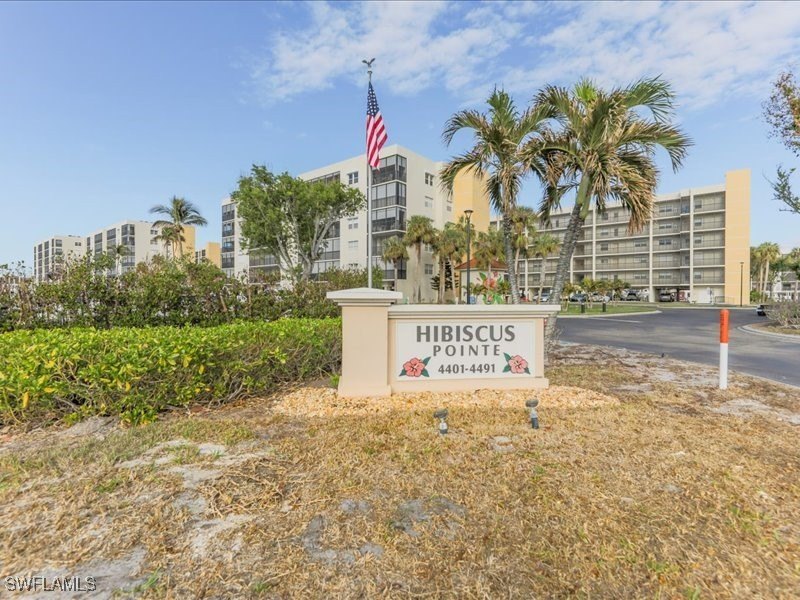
692	334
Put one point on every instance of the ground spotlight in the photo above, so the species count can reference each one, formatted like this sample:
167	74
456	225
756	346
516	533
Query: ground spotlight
531	406
442	416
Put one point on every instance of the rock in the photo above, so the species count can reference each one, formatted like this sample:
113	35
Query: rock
672	488
370	548
354	506
501	443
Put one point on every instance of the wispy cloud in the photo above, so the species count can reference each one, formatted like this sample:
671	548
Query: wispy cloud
708	50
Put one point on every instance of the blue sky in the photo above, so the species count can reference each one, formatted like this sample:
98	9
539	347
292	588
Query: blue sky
107	109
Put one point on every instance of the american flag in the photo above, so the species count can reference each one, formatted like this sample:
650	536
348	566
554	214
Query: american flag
376	132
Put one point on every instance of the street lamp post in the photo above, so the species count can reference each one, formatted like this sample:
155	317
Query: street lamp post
741	283
468	213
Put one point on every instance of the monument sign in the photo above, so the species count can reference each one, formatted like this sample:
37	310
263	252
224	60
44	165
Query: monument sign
404	348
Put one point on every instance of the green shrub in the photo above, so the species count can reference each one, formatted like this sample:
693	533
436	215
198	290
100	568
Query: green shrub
138	372
161	292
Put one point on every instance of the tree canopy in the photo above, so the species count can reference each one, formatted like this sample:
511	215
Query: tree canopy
290	218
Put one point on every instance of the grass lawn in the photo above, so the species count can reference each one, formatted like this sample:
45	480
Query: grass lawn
597	308
644	481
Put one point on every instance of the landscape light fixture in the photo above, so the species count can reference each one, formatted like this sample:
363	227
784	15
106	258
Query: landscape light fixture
531	406
442	416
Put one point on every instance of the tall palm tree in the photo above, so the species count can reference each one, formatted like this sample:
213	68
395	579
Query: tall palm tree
544	244
449	242
419	231
179	212
489	248
604	150
523	229
770	253
395	252
501	139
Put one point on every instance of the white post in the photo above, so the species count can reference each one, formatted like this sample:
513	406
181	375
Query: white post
723	349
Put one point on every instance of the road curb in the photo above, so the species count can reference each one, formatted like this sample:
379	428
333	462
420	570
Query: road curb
606	315
777	336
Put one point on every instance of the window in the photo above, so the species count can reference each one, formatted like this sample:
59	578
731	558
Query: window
428	269
665	242
428	202
449	208
604	217
616	232
428	178
640	244
154	232
604	246
352	224
352	245
698	222
352	178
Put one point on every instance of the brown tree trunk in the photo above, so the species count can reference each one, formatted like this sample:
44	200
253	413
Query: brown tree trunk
512	268
564	259
541	279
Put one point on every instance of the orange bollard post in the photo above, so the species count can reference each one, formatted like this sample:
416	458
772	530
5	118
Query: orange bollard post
724	316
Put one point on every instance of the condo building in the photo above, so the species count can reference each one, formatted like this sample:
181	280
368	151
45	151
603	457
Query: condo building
50	254
405	184
210	253
696	246
133	242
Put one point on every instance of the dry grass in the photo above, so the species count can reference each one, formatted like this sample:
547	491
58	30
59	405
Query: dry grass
650	484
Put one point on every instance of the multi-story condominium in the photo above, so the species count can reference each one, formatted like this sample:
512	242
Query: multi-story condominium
696	245
404	184
134	242
211	253
50	254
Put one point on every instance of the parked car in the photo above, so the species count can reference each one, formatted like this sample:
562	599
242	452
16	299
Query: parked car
596	297
666	297
578	297
630	295
761	310
545	297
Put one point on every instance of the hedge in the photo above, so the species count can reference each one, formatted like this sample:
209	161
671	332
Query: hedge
135	373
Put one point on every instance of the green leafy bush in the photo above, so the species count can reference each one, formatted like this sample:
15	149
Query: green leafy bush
137	372
178	292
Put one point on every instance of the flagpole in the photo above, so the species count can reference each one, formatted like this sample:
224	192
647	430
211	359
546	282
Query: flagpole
369	200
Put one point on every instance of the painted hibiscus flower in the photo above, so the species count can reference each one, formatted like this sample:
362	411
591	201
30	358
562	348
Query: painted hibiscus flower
518	364
414	367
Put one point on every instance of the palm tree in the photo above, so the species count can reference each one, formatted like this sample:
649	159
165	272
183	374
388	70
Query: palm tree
488	248
170	237
419	231
544	244
605	150
769	253
395	252
449	242
500	153
523	228
179	212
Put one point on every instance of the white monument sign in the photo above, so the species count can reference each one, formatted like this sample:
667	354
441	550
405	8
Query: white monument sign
464	349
